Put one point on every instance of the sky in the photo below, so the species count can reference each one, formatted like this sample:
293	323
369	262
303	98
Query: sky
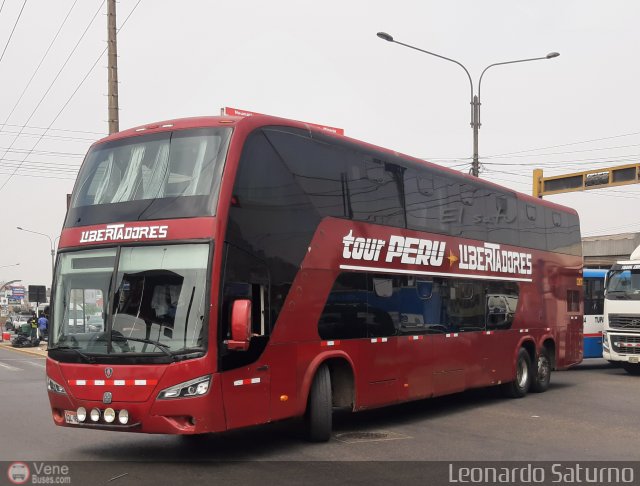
321	62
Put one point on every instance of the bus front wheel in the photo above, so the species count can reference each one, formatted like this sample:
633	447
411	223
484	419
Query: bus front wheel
318	416
540	382
519	387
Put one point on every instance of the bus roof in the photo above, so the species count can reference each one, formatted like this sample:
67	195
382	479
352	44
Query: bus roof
250	123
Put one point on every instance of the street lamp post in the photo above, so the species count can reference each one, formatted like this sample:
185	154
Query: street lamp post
475	99
53	251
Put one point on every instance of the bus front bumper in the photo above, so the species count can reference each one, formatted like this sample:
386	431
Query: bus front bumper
196	415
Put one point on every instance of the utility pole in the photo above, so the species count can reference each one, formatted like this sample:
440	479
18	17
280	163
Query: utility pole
114	121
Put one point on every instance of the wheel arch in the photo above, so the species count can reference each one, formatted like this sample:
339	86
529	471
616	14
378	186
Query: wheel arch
342	374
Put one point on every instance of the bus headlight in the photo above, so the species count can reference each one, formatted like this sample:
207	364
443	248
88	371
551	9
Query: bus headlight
55	387
192	388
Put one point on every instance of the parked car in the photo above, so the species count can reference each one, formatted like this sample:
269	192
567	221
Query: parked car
95	323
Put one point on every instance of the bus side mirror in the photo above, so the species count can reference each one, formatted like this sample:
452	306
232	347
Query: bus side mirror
240	325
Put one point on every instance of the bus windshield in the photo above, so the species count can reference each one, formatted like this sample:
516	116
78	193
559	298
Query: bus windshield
623	284
131	300
155	176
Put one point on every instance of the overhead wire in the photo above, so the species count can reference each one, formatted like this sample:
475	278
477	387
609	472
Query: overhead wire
72	94
12	30
52	83
51	129
55	37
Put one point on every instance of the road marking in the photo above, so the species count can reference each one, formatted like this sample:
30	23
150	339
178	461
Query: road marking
9	367
37	365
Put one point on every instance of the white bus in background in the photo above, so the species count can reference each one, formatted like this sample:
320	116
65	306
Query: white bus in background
621	336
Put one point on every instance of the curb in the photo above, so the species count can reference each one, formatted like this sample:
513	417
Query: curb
37	351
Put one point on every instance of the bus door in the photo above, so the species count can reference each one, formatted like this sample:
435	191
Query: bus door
244	328
458	350
246	393
500	313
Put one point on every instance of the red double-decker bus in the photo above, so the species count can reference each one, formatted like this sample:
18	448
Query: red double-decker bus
216	273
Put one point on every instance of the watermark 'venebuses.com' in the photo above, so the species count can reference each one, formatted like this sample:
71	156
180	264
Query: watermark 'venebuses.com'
38	473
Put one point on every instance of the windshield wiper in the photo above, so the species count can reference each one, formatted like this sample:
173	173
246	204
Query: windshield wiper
88	359
162	347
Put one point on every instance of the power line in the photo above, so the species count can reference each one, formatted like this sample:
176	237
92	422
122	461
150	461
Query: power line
51	129
74	92
40	63
52	83
12	30
58	137
43	152
567	144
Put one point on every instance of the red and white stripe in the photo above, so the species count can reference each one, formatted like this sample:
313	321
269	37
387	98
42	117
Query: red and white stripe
112	382
379	340
416	338
325	344
246	381
489	333
524	330
454	334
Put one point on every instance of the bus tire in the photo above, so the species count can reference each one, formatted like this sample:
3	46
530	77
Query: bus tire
542	372
318	416
632	368
519	387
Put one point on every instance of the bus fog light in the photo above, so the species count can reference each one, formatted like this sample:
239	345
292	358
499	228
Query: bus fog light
109	415
123	417
81	413
95	414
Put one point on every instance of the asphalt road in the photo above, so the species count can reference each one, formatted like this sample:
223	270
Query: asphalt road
589	413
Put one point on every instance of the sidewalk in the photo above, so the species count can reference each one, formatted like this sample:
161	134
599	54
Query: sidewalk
40	350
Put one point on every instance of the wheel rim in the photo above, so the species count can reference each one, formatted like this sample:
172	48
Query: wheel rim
523	373
543	369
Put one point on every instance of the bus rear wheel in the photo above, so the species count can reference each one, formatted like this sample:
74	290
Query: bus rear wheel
519	387
318	416
542	378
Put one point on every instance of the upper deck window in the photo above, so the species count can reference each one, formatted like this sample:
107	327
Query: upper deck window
162	175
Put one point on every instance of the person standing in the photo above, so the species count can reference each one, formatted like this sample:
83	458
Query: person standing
34	327
43	326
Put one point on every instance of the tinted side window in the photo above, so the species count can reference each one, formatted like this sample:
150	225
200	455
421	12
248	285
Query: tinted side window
533	233
563	232
374	191
271	218
501	218
344	314
466	209
425	196
319	169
